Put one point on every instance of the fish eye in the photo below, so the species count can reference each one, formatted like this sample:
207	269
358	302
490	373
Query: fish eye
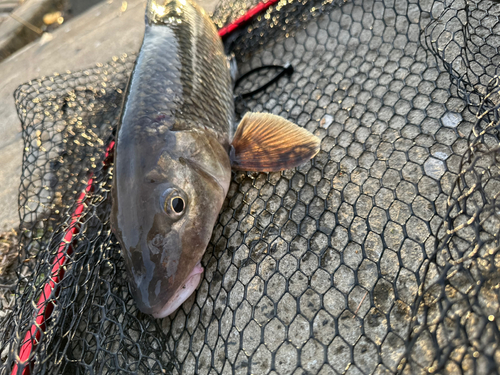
177	204
174	203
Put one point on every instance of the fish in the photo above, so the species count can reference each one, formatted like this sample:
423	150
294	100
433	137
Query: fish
175	151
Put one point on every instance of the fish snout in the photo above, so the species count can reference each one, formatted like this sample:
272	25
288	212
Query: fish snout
182	293
153	266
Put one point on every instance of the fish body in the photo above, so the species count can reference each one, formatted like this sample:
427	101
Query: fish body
175	151
173	141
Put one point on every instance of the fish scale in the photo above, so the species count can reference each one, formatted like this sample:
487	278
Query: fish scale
206	85
172	82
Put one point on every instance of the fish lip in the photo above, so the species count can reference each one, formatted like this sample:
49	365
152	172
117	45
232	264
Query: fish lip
192	282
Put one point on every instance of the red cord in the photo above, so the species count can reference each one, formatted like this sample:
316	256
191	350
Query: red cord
245	18
50	291
45	304
32	337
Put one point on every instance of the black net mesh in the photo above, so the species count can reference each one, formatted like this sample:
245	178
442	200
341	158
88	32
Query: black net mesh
378	256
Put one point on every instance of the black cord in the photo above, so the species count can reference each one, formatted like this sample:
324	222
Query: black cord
286	69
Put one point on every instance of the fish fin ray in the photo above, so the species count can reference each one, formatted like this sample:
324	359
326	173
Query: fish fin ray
268	143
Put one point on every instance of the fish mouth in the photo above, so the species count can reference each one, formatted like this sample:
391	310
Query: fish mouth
182	293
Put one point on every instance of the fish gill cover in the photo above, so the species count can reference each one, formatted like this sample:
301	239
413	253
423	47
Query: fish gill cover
380	255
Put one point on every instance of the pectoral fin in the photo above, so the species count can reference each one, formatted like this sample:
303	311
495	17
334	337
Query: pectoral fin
269	143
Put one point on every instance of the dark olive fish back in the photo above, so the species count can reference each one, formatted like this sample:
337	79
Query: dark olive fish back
181	78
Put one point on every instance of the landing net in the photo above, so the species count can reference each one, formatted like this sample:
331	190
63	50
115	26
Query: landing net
381	255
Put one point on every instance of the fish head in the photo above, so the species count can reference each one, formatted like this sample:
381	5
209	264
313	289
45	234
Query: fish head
165	217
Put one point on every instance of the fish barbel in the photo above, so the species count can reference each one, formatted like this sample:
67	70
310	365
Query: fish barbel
175	151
